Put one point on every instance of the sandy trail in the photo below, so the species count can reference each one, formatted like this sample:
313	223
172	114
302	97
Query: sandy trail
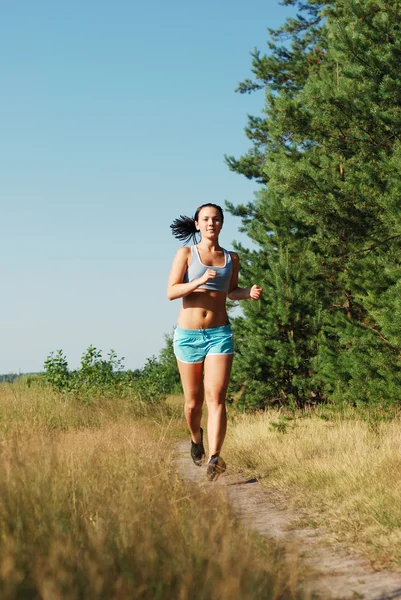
331	572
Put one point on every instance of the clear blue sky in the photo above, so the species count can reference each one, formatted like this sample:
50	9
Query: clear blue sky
115	117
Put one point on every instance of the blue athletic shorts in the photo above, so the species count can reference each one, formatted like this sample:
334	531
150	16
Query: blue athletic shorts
193	345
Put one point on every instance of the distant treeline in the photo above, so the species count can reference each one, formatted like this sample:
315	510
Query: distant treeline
11	377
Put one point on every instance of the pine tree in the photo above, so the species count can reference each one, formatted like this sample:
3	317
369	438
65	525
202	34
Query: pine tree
346	126
326	221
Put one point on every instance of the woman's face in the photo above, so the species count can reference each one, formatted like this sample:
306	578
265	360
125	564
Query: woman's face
209	222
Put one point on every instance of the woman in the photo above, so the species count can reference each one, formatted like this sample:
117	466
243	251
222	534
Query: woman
203	276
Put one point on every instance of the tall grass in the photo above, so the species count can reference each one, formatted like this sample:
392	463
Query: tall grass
39	407
343	472
91	507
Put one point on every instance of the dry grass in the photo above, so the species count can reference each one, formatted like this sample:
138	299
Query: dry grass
40	408
344	473
91	507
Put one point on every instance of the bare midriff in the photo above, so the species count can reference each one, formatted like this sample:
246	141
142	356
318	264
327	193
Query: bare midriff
203	309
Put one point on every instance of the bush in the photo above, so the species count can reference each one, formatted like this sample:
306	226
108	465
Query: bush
95	376
98	376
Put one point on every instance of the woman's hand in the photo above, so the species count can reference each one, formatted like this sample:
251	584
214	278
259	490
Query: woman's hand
255	292
207	275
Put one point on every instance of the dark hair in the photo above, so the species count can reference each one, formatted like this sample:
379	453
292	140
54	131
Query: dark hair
184	228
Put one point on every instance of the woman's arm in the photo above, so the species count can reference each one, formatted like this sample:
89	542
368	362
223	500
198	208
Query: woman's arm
253	292
237	293
175	287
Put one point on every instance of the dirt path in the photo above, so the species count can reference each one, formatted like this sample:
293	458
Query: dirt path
332	572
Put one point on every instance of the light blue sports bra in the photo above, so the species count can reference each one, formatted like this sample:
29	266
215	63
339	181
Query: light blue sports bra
196	269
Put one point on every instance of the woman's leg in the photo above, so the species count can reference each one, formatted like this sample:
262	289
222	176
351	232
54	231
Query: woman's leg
216	378
192	384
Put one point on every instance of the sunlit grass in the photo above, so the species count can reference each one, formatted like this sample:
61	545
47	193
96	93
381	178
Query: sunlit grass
91	506
344	472
41	408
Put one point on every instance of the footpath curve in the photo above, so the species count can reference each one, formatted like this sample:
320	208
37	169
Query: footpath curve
331	572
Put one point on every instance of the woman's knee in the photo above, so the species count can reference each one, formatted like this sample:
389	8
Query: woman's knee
215	397
194	401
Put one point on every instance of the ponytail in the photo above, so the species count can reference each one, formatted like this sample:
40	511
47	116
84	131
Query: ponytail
184	228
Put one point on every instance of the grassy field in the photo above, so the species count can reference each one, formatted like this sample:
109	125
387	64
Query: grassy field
340	469
91	507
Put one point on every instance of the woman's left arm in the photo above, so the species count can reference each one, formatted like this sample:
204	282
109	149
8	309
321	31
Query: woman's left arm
237	293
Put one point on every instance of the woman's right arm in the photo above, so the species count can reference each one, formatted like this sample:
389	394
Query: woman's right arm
177	289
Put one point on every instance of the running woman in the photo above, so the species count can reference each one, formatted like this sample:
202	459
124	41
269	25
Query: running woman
204	275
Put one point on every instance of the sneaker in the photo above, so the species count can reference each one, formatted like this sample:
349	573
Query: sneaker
215	467
198	451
